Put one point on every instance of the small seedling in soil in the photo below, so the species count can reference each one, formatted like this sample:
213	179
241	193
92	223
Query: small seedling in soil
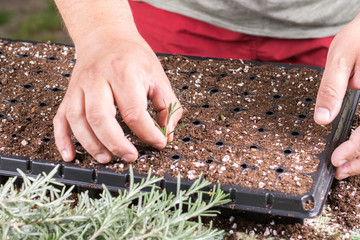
170	111
222	118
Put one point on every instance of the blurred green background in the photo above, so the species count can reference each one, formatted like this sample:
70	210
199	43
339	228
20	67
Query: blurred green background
36	20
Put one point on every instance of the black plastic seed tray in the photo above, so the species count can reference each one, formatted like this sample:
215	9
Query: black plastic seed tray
246	199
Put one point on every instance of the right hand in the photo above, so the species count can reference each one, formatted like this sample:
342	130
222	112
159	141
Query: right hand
113	69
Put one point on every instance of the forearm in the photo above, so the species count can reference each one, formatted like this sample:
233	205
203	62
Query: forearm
85	19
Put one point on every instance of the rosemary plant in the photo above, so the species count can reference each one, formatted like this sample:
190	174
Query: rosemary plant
42	209
170	111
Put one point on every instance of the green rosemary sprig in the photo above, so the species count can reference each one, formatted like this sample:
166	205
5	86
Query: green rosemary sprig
42	209
170	111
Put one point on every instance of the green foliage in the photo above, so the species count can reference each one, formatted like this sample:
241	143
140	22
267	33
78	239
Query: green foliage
5	16
40	26
170	111
41	209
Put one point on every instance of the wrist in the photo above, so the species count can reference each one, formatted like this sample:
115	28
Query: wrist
96	21
104	37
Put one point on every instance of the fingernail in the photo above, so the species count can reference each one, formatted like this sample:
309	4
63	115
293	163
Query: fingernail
343	176
322	114
65	155
128	157
102	158
159	145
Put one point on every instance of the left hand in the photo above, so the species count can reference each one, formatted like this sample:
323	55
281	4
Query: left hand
342	71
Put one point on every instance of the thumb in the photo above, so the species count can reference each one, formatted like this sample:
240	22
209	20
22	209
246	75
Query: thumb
332	90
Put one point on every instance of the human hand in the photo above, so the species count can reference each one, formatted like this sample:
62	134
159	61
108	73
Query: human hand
342	71
113	69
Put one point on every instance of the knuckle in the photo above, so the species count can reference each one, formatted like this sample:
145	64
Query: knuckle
329	92
352	168
356	147
92	147
113	148
91	72
72	113
117	62
95	116
131	115
56	120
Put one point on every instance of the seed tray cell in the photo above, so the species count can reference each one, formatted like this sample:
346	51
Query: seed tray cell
250	128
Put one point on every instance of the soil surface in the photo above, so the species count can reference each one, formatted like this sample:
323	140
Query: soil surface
247	125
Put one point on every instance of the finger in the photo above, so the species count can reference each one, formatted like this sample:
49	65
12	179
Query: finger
75	114
348	150
62	134
100	113
348	169
354	82
131	98
162	97
332	89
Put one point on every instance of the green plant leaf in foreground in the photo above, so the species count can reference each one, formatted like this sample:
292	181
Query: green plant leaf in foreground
42	209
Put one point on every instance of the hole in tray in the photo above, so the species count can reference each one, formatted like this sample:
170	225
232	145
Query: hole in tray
276	96
175	157
2	115
253	147
209	160
308	203
186	139
279	170
14	135
196	122
261	129
243	165
27	86
55	89
287	151
295	133
66	75
308	99
237	109
28	119
214	90
302	116
13	100
246	93
223	74
43	104
142	153
185	87
23	55
77	144
219	143
39	71
205	105
52	58
46	139
269	113
252	77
